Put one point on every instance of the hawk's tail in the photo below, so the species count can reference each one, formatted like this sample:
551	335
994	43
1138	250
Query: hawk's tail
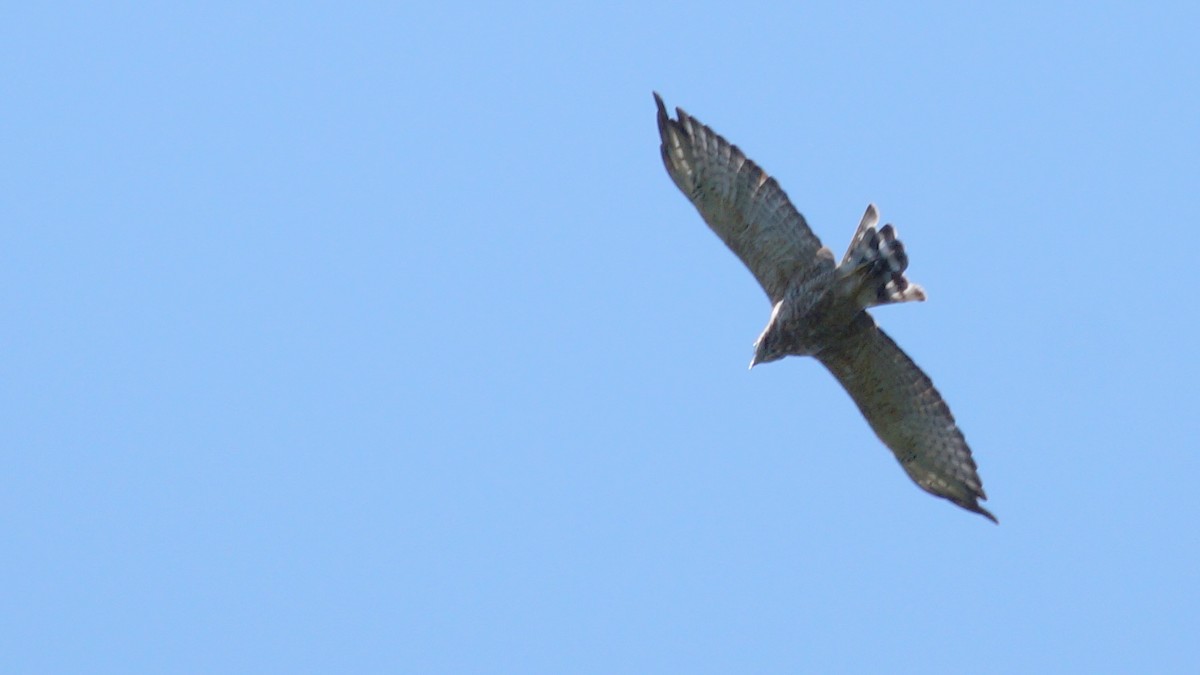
872	272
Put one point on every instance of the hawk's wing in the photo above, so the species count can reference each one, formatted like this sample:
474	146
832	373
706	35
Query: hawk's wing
906	412
745	207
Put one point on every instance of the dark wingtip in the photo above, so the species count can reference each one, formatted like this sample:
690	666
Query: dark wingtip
981	511
663	119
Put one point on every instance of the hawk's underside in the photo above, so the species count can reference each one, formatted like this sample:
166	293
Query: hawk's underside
819	307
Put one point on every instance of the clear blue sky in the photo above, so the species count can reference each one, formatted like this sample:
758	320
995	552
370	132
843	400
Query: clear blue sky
378	340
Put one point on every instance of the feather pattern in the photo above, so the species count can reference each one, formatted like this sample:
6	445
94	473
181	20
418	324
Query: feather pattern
908	414
819	310
743	205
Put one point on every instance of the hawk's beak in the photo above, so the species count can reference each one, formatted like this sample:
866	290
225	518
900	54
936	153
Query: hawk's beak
753	362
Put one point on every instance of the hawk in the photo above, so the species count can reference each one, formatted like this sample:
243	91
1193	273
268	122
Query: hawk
818	307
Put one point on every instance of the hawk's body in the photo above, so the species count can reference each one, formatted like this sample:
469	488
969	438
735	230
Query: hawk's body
818	307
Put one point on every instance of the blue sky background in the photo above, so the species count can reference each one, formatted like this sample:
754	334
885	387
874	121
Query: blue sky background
376	339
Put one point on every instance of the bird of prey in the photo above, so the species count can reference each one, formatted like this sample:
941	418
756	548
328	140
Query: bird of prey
818	307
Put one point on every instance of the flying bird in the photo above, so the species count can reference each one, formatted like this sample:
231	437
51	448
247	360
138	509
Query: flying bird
818	307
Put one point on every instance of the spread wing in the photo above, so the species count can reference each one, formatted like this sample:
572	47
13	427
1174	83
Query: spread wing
745	207
906	412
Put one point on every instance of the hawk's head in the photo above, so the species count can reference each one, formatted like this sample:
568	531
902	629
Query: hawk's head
766	352
767	347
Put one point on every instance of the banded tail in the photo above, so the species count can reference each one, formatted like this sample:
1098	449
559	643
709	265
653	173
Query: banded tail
872	272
